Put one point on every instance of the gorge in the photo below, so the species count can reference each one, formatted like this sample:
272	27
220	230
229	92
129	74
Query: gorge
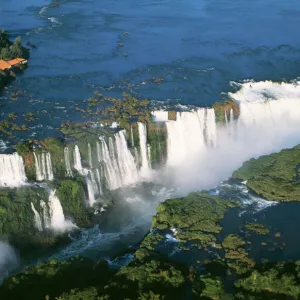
150	150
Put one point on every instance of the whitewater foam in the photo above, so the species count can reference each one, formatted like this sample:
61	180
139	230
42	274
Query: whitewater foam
12	170
57	218
201	153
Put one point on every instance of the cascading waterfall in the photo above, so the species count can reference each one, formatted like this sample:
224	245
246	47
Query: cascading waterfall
52	215
160	116
37	219
204	153
69	172
49	166
38	169
110	173
186	136
231	119
43	166
145	166
127	167
231	122
119	164
211	128
57	218
131	134
77	162
99	181
90	188
98	152
136	156
12	170
94	182
90	156
45	216
149	154
226	119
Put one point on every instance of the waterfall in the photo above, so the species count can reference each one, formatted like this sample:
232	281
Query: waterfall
110	173
201	153
127	167
46	216
94	182
99	181
119	164
211	128
49	166
37	219
57	218
38	171
145	168
91	193
131	134
114	163
231	116
43	166
226	118
186	136
12	170
136	156
77	162
160	116
69	172
90	156
149	154
98	151
231	122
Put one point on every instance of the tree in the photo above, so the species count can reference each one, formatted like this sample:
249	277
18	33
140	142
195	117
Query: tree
4	38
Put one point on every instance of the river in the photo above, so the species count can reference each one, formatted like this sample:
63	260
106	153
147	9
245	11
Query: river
198	48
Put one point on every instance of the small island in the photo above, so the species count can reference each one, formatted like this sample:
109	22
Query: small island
13	58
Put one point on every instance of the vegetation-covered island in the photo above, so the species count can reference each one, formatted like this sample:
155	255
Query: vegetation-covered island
210	262
275	176
190	252
13	58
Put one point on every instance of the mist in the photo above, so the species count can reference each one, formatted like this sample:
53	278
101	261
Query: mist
264	126
8	259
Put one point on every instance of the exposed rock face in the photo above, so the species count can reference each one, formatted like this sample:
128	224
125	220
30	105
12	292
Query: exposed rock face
172	115
224	110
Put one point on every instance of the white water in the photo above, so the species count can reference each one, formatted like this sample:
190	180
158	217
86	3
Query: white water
69	172
98	152
226	119
160	116
90	156
131	135
57	218
43	166
45	214
186	137
90	188
37	219
149	155
201	154
145	166
127	167
12	170
77	162
99	181
120	168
